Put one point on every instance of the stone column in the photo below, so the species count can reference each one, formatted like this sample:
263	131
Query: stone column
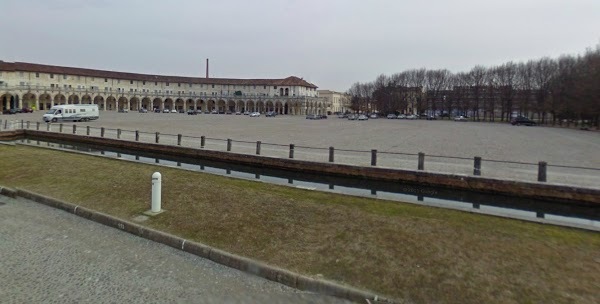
104	104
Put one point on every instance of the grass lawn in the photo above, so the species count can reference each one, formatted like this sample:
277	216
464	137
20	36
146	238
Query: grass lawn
408	252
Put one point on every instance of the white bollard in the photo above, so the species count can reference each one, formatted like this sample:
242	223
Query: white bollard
156	192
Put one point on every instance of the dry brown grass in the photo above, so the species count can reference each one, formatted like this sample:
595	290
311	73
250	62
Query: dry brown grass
409	252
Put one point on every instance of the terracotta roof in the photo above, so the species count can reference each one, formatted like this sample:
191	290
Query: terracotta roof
42	68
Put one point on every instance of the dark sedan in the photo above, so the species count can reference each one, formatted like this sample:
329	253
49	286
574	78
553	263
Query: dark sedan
522	120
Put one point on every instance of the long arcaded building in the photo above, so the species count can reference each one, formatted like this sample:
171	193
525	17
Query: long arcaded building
39	86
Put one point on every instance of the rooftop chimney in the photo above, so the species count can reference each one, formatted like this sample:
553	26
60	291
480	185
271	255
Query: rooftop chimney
206	67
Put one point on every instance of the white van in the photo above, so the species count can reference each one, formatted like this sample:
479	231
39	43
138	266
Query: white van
72	112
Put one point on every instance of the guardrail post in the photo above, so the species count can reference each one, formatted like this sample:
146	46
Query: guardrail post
74	129
331	151
542	171
228	144
477	166
37	125
373	157
5	124
258	147
102	132
292	150
421	165
202	141
28	124
157	137
118	133
48	126
137	135
22	124
179	139
60	128
87	130
1	123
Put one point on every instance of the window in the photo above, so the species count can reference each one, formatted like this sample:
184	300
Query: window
179	85
275	87
130	81
144	82
78	77
105	89
130	90
155	83
213	86
37	75
51	75
22	83
167	84
190	85
81	110
105	80
118	80
265	87
65	86
64	76
51	85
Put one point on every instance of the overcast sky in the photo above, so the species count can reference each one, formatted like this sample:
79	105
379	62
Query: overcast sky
331	43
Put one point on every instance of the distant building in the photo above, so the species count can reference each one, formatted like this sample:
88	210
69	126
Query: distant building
336	102
41	86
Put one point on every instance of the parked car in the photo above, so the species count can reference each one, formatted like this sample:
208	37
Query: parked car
313	116
247	113
255	114
392	116
460	118
123	110
9	111
174	111
431	117
411	116
26	110
522	120
352	117
270	114
143	110
166	110
324	116
238	113
401	116
214	112
228	113
363	117
192	112
373	116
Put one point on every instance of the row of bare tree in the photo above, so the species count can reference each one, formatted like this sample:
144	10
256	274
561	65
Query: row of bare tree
548	90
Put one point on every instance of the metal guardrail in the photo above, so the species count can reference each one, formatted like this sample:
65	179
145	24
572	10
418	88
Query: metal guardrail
477	166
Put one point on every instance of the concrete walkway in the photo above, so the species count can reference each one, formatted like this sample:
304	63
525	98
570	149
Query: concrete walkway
51	256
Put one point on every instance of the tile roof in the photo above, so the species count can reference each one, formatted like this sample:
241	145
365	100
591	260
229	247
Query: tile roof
42	68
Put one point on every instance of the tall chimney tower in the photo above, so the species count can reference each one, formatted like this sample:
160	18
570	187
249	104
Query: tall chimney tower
206	67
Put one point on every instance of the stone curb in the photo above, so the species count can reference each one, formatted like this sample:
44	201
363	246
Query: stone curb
268	272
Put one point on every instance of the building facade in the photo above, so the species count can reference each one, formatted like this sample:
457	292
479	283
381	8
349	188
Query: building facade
37	86
336	102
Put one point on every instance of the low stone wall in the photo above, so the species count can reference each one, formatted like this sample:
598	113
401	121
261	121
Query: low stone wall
11	135
550	192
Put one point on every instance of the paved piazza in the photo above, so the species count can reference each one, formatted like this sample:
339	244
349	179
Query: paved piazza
494	141
51	256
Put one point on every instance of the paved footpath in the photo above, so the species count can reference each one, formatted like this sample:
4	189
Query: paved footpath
50	256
